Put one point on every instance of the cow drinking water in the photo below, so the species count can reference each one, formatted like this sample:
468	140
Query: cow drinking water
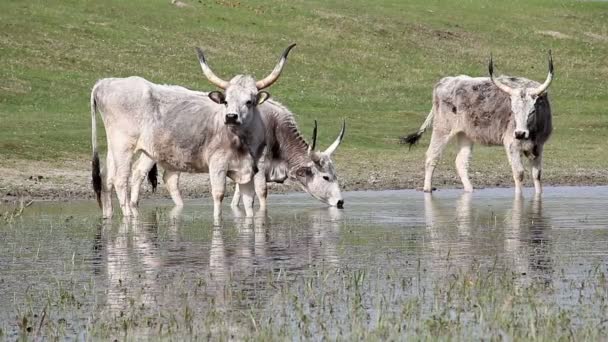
287	156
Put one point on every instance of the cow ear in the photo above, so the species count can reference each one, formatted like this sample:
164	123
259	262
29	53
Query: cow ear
303	172
262	97
217	97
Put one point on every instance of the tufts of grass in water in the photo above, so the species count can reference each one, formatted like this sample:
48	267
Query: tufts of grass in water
330	303
9	216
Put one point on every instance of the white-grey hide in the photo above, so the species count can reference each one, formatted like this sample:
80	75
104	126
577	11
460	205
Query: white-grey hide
509	111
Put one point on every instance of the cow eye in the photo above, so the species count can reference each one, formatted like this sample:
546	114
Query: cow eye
248	103
326	178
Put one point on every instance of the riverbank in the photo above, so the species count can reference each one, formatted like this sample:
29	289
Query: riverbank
29	180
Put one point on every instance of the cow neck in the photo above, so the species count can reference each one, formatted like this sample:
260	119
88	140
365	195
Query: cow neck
292	146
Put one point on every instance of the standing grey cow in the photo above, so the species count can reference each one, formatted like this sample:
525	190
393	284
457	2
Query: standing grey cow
287	155
183	130
510	111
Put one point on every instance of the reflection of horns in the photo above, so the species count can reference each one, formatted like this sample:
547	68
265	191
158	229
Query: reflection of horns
274	75
543	87
208	73
497	83
331	149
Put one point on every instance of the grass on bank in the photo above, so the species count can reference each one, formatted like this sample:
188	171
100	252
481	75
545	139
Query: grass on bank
372	63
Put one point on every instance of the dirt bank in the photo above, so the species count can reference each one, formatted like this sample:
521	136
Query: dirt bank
45	181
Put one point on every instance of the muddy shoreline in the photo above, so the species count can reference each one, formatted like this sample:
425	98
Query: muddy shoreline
62	184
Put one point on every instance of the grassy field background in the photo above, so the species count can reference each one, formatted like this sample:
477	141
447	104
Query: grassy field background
373	63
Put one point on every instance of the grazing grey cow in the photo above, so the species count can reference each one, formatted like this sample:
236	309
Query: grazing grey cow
510	111
183	130
287	155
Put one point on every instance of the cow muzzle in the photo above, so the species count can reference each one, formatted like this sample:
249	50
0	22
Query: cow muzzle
232	119
340	204
520	135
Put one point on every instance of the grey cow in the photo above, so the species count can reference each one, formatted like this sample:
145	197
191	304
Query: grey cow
183	130
509	111
287	155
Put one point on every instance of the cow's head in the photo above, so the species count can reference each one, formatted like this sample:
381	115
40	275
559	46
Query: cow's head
523	100
318	176
242	94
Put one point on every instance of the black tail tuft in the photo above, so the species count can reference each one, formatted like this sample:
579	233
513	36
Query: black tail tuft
96	174
411	139
152	177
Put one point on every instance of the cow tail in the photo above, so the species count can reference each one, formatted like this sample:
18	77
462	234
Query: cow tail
153	177
412	139
96	169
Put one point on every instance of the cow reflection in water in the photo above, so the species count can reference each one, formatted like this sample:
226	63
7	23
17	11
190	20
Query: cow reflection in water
438	217
128	262
527	240
286	244
138	269
264	249
468	232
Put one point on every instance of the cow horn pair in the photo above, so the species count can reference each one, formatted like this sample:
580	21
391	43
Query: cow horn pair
535	92
261	84
332	148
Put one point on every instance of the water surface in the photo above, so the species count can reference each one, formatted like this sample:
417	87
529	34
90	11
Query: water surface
59	260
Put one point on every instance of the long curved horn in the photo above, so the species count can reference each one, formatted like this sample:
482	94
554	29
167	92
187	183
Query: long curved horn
311	148
208	73
498	84
274	75
331	149
543	87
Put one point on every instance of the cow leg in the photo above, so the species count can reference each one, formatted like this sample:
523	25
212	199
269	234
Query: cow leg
217	179
236	198
261	189
463	157
122	160
107	186
248	192
140	171
171	179
514	155
537	169
433	153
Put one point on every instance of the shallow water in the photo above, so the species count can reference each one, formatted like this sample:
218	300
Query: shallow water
60	261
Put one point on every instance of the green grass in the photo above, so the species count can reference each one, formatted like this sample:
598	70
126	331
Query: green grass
374	64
